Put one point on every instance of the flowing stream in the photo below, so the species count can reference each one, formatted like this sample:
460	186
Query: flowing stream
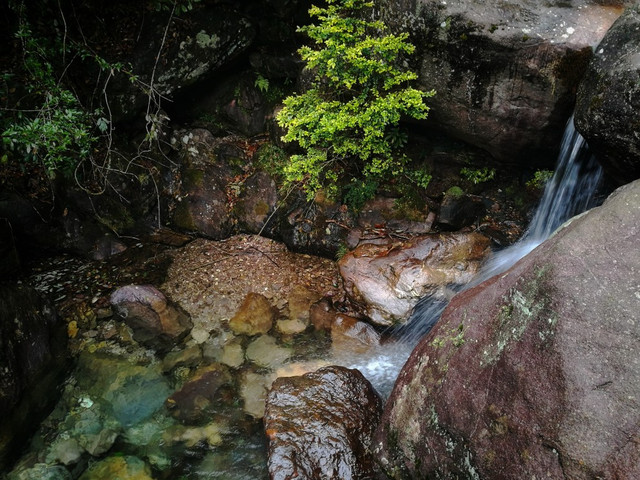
571	191
121	397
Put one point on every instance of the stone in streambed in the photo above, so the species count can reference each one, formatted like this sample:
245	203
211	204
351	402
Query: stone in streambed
155	322
387	281
200	395
320	425
264	351
118	467
255	316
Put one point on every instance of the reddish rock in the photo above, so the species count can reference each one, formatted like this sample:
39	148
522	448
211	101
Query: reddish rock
320	424
388	280
155	322
533	373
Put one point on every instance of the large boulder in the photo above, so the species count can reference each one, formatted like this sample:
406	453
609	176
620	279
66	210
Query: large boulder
533	373
320	424
608	103
505	72
34	362
389	280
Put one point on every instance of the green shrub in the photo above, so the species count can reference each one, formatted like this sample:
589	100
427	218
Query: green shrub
478	175
540	179
347	122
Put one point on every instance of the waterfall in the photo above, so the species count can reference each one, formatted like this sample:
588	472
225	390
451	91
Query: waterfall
570	191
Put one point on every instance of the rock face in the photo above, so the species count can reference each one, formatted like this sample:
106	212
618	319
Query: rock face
608	103
155	322
320	425
533	373
505	72
33	359
388	280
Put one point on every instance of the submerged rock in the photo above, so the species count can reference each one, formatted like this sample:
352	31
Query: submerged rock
320	425
608	103
198	397
389	280
118	467
155	322
533	373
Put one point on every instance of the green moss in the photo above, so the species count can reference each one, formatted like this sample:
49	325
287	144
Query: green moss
193	177
455	191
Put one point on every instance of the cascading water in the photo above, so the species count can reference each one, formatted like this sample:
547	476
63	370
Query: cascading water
569	192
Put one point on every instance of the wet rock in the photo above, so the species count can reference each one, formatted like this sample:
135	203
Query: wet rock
131	392
34	363
320	425
351	336
199	396
253	390
41	471
388	213
299	302
155	322
189	357
320	228
189	437
202	204
322	314
257	202
265	352
459	211
232	354
532	373
388	280
608	101
110	468
92	429
505	72
255	316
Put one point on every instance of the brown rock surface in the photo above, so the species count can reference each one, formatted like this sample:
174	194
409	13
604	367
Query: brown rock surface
320	425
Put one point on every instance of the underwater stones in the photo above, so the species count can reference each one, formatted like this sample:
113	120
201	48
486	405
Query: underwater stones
131	392
155	321
118	467
532	373
320	425
201	394
608	101
40	471
255	316
265	352
33	362
299	302
388	280
253	390
352	337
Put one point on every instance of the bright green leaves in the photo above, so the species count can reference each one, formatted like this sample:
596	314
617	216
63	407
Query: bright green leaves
347	122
